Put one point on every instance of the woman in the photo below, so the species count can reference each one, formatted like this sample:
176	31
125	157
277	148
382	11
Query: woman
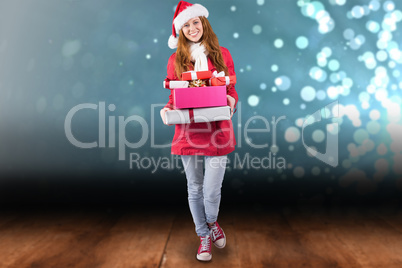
198	49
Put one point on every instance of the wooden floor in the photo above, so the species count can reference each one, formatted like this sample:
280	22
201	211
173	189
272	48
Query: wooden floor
297	236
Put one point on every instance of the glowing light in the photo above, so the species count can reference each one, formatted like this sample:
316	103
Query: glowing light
318	135
382	149
364	96
302	42
360	135
286	101
260	2
298	172
340	2
236	35
257	29
274	68
278	43
253	100
365	105
334	77
292	134
385	36
395	54
323	17
360	39
233	8
321	95
308	93
347	82
371	89
397	15
348	34
324	28
332	92
381	94
381	55
374	5
315	171
327	52
318	74
373	26
283	83
299	122
357	12
333	65
388	6
308	10
373	127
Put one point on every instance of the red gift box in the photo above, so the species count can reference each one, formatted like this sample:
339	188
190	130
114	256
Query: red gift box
197	97
222	81
193	75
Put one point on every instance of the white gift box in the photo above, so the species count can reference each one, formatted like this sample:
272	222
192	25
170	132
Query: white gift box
175	84
197	115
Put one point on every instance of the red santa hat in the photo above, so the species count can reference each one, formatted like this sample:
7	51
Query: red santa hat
184	12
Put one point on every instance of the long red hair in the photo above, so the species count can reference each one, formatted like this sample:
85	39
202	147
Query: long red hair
211	43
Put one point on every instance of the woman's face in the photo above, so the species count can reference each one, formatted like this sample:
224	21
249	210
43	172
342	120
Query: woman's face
193	30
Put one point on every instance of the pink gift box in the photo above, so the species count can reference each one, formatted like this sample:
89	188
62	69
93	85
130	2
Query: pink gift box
197	115
197	97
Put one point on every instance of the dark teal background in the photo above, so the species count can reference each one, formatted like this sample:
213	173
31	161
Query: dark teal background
55	55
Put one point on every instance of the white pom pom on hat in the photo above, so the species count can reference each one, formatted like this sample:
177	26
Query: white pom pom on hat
184	12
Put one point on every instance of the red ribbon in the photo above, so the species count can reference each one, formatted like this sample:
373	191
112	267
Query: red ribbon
167	84
191	113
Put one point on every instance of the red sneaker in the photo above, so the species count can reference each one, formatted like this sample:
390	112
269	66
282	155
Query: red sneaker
217	235
204	250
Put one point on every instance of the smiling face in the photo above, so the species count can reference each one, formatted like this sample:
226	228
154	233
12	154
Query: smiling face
193	29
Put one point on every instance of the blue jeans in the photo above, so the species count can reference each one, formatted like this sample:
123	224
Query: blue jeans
204	191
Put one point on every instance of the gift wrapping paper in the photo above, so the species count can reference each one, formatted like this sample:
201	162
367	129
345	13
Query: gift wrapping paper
197	97
222	81
193	75
197	115
175	84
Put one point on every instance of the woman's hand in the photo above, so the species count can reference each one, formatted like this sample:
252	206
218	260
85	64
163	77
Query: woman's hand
231	103
163	111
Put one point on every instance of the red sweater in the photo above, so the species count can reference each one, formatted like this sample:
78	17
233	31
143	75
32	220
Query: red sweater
209	138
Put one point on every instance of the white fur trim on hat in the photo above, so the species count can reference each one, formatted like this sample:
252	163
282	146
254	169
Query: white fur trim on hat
172	43
196	10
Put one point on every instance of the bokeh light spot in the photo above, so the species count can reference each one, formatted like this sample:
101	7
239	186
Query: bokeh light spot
253	100
308	93
292	134
302	42
257	29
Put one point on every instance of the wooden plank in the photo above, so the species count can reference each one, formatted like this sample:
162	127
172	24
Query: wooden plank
311	225
392	215
86	239
371	241
183	244
264	239
43	239
137	240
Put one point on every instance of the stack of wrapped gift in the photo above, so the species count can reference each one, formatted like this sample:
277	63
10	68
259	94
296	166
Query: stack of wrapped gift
199	97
